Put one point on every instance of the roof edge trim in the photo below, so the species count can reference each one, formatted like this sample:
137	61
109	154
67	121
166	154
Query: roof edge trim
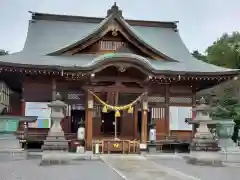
73	18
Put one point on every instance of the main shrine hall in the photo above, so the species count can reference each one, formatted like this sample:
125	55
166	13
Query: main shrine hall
119	76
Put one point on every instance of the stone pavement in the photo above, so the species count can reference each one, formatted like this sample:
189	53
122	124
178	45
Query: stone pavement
201	172
81	170
136	167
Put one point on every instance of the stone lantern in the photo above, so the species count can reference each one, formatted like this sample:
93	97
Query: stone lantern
204	147
55	147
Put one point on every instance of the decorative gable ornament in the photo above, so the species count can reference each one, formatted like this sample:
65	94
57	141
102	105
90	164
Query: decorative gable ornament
114	10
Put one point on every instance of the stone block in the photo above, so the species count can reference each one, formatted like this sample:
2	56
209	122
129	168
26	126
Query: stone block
54	157
230	157
204	158
80	150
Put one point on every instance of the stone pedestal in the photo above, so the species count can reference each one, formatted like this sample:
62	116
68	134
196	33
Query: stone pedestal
206	158
55	147
204	148
10	147
230	152
9	142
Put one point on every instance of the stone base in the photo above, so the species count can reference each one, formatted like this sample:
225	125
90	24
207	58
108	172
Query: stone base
152	149
54	157
80	150
143	147
55	141
9	141
230	156
204	158
58	157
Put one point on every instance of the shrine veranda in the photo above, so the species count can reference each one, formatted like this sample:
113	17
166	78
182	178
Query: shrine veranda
100	65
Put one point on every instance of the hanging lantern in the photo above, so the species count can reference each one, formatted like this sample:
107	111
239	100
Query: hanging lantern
130	109
104	110
117	113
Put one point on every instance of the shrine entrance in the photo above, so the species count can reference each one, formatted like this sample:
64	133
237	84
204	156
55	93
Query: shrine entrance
108	124
118	92
77	113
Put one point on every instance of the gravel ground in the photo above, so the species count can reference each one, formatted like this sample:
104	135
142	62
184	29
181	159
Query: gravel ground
201	172
30	170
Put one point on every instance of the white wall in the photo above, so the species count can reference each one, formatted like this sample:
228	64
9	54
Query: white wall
177	116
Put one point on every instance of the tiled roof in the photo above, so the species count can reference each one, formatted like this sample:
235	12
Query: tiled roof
47	36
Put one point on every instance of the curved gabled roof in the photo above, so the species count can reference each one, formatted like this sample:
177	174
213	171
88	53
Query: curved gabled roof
49	34
114	16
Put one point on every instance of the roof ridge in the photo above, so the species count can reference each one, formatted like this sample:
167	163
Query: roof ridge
69	17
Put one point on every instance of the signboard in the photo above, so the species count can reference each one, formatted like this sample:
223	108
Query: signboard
41	110
177	118
9	125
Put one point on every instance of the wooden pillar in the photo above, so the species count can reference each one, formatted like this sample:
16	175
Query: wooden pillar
144	120
167	130
23	105
54	87
193	105
89	120
135	122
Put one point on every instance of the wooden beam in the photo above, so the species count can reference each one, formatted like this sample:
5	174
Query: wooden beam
167	130
54	87
135	119
144	123
114	89
89	122
114	79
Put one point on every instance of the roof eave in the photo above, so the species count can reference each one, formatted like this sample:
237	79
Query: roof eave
92	67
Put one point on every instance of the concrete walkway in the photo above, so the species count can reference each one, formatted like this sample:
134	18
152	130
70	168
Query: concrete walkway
136	167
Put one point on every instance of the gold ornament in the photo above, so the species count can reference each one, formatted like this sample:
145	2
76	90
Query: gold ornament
117	113
130	109
104	110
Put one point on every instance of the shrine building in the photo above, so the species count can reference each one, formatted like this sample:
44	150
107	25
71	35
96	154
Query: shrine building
118	75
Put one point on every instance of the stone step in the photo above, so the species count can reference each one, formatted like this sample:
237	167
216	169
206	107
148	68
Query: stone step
137	167
12	154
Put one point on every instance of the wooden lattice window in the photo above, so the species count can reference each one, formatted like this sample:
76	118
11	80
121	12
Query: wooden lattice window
158	113
73	96
156	99
97	111
4	94
110	45
185	100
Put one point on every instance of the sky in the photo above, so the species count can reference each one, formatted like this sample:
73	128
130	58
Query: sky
200	22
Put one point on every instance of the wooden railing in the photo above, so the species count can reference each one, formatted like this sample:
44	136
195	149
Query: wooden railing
25	136
174	137
116	146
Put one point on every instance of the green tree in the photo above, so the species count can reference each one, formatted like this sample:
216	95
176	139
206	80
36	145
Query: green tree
199	56
225	51
3	52
228	107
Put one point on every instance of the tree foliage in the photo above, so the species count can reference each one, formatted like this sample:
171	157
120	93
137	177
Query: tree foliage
199	56
228	107
225	52
3	52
